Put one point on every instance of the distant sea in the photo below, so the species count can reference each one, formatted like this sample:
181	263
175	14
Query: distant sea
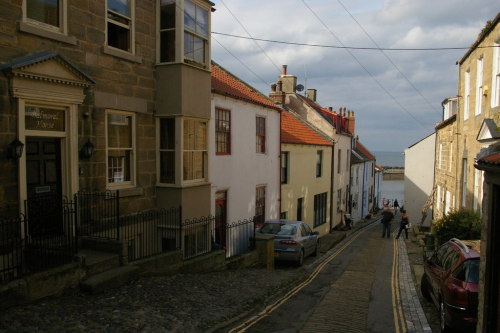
391	189
390	158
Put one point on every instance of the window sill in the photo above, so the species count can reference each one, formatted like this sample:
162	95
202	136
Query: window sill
204	183
38	31
121	54
129	191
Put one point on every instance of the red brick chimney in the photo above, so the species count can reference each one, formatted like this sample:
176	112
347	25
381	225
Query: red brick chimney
351	122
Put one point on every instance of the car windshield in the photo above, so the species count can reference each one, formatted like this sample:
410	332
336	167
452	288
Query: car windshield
468	271
278	229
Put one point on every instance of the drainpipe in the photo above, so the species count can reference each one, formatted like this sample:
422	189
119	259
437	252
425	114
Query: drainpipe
332	168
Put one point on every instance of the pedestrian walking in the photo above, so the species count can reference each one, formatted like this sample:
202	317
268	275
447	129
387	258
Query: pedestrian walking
396	206
404	224
387	217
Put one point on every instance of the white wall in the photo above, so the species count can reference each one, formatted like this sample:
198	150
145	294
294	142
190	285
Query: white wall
419	178
341	180
357	191
243	170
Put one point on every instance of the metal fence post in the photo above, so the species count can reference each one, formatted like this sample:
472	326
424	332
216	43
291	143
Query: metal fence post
117	214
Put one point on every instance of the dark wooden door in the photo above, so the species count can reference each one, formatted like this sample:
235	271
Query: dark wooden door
220	219
43	178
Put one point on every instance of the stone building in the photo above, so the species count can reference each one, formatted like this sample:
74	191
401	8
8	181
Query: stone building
445	158
106	95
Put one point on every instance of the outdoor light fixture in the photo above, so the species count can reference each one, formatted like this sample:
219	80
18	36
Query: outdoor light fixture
15	149
87	150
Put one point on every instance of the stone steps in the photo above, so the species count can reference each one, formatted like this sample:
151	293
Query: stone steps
109	279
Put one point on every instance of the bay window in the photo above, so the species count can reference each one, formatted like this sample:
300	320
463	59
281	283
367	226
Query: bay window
195	149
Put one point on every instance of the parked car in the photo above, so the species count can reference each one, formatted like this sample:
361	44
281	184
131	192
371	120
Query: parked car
294	240
450	281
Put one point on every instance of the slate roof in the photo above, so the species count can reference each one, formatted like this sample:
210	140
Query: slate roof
366	153
226	84
295	130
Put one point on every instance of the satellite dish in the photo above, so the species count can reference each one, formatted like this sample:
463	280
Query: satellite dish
299	87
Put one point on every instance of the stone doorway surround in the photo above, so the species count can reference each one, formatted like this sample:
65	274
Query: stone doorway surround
47	80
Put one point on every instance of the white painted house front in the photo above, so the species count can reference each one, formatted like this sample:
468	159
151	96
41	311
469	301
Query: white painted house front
418	185
244	151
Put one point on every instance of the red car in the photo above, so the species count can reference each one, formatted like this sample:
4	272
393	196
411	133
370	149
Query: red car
451	281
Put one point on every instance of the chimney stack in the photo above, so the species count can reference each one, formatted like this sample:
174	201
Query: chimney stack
289	81
277	95
311	94
351	121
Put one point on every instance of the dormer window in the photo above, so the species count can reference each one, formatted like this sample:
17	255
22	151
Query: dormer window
192	38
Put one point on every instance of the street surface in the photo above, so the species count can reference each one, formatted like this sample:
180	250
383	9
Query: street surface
353	288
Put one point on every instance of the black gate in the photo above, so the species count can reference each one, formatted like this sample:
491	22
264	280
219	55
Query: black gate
50	235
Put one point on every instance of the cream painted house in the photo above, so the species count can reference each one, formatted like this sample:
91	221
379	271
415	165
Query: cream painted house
337	126
306	157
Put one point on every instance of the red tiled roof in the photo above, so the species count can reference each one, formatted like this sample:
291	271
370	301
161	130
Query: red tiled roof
364	151
294	130
224	83
490	159
340	123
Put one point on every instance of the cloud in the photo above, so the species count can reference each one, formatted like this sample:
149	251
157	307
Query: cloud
337	76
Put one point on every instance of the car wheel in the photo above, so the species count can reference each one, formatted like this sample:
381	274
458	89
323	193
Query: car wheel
424	287
316	250
301	258
442	322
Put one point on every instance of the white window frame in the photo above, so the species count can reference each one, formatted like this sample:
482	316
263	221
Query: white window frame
161	150
495	81
196	34
467	94
479	85
130	27
203	151
132	166
464	182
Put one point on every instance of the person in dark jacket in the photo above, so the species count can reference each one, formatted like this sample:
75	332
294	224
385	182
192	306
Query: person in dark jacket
387	217
404	224
396	206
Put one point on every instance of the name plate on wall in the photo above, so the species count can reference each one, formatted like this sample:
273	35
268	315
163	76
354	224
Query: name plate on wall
44	119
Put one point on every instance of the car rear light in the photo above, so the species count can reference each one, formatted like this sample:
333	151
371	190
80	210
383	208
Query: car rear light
288	242
458	296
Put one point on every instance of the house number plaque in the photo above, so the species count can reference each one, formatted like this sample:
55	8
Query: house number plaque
44	119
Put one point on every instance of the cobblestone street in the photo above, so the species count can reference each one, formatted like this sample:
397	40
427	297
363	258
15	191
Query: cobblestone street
180	303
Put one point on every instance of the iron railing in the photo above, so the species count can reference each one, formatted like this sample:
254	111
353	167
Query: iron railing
240	237
98	214
11	248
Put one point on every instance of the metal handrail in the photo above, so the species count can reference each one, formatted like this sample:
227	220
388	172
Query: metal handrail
461	244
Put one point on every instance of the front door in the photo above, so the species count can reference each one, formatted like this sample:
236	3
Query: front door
43	179
220	219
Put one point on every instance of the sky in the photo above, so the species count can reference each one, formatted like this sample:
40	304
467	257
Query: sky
396	95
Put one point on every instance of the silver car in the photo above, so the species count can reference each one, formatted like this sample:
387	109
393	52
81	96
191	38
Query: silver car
294	240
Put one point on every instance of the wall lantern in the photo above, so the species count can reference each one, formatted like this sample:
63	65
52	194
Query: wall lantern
87	150
15	149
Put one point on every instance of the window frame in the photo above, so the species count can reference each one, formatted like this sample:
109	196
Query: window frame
260	204
260	147
205	39
132	150
319	163
166	150
495	76
184	150
226	133
285	167
130	27
320	208
467	94
479	85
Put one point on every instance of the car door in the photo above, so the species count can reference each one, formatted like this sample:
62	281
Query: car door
436	272
309	241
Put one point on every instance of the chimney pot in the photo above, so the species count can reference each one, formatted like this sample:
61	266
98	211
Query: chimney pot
273	87
330	109
283	71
